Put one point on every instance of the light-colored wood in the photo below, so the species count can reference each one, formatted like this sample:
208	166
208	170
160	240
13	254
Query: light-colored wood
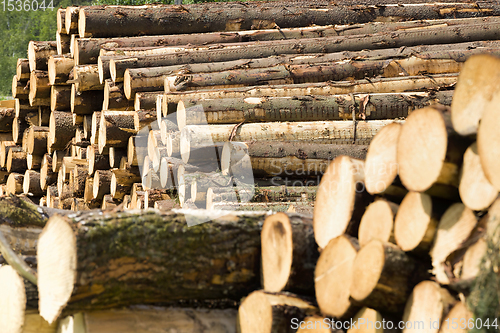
102	183
383	277
378	222
289	254
488	142
31	183
86	77
59	68
15	183
39	93
478	83
63	43
455	226
114	97
338	199
86	102
333	277
61	130
37	139
428	151
12	300
428	300
60	98
458	320
263	312
16	160
476	192
416	223
39	53
381	166
47	175
371	321
115	129
19	88
34	323
23	69
472	259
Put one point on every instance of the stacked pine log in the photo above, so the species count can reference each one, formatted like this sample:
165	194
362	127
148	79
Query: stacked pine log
115	115
227	96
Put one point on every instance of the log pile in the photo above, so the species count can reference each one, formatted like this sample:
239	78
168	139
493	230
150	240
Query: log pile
363	127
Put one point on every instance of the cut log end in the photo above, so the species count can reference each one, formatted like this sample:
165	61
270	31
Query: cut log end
277	248
414	225
377	222
488	142
421	149
381	160
333	277
56	255
12	300
335	199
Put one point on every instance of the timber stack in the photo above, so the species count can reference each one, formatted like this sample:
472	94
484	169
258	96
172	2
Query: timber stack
369	162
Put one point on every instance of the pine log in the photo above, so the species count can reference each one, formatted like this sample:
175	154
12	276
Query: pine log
477	85
88	195
381	166
476	192
5	146
458	320
71	20
304	108
24	110
102	182
12	300
244	259
7	116
488	142
122	181
86	77
39	53
63	42
57	160
383	277
31	183
114	97
377	222
96	122
15	183
173	144
86	50
115	156
367	320
23	69
59	68
115	129
43	116
146	100
289	255
416	222
19	126
60	98
19	88
153	195
47	175
16	160
426	307
108	203
264	312
334	275
39	93
340	200
61	130
95	160
136	147
86	102
143	118
122	21
166	205
429	151
455	226
338	132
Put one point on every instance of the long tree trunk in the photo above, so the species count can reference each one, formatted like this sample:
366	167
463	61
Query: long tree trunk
75	260
118	63
122	21
86	50
305	108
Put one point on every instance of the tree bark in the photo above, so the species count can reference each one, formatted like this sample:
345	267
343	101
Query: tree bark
19	88
86	77
305	108
23	69
146	100
63	42
31	183
86	102
16	160
122	21
242	231
61	130
7	116
71	20
39	93
289	255
15	183
39	53
59	68
115	129
114	97
384	277
143	118
60	98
